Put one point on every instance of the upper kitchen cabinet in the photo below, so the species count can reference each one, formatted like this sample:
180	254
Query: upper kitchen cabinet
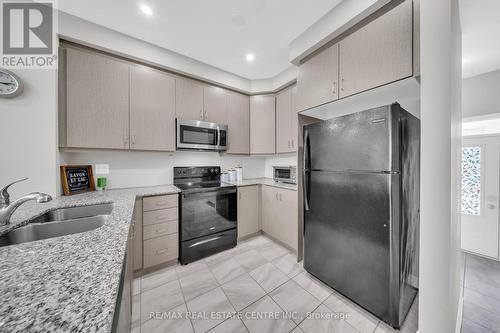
285	140
379	53
189	99
215	105
238	121
195	101
295	119
317	80
94	101
152	109
262	124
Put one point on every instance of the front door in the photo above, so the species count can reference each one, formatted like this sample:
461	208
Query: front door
480	195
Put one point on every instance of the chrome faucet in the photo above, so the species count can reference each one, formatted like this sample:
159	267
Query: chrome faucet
7	208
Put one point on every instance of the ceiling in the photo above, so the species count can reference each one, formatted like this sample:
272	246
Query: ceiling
480	36
217	32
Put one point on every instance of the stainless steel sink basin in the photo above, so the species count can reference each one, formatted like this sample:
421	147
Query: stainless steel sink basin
59	222
70	213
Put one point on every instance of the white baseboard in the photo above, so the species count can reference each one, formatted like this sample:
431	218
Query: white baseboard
460	311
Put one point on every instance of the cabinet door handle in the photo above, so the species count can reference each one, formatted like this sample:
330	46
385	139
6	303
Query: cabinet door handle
160	231
201	114
133	139
132	234
342	84
281	197
277	196
206	115
162	251
334	87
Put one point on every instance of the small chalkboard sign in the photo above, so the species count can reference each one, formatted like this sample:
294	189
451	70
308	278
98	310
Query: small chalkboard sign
77	179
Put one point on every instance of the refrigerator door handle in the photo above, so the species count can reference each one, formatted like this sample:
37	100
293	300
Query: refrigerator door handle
305	169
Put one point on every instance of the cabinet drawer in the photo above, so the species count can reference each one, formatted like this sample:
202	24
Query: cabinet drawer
160	229
159	216
160	202
160	250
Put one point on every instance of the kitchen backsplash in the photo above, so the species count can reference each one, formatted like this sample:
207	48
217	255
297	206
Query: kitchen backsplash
131	169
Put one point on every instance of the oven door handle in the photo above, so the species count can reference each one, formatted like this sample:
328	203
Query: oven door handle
205	241
208	192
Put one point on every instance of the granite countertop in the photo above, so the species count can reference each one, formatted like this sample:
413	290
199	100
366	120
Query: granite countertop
69	283
264	181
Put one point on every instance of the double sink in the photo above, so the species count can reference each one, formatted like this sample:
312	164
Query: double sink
59	222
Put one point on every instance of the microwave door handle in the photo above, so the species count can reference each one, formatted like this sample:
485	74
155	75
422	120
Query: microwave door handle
218	137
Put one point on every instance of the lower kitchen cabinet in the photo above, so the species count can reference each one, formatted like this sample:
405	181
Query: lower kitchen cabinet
137	236
161	250
248	211
279	215
156	231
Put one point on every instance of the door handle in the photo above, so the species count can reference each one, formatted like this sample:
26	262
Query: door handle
305	170
162	251
205	241
201	114
281	197
277	196
491	206
218	136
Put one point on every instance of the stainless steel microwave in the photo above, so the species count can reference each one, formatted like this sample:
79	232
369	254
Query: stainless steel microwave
201	135
285	174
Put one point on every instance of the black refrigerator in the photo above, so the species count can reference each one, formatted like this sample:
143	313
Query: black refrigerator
361	208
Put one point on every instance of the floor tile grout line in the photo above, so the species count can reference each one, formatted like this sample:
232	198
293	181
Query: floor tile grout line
496	314
480	325
184	298
481	292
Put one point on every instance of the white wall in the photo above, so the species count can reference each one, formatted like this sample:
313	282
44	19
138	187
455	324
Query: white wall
480	94
78	30
440	115
135	168
28	134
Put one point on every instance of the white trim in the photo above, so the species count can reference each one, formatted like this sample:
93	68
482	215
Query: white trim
460	311
481	117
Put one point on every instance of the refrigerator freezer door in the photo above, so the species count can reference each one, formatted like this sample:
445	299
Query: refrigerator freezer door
361	141
347	237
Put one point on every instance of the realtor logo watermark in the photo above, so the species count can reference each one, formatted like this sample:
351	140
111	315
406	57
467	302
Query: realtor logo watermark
28	34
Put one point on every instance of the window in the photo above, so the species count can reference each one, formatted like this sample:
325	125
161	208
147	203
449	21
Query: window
471	180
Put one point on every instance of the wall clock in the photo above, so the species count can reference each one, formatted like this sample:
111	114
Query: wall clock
10	84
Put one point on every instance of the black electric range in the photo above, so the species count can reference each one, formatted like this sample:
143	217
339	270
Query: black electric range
208	212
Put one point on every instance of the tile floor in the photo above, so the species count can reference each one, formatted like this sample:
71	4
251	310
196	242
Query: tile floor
481	295
240	286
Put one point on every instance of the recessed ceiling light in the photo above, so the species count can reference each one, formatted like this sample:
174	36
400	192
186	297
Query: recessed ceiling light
250	57
238	20
146	9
